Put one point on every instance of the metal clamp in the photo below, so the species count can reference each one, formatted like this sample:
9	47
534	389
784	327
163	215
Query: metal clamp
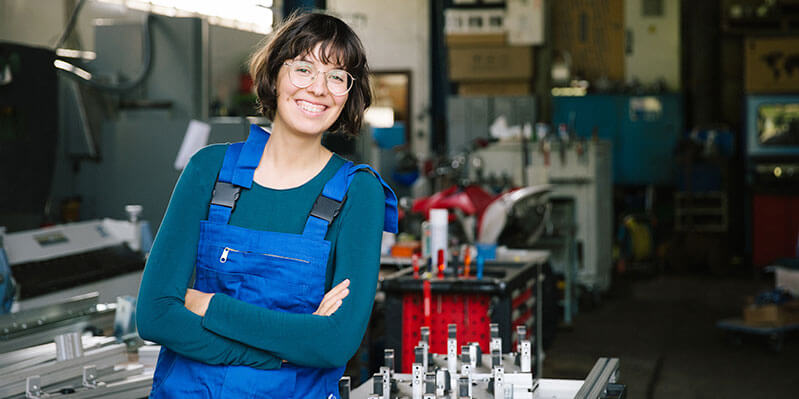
344	387
90	376
388	359
525	359
499	382
417	380
33	387
452	348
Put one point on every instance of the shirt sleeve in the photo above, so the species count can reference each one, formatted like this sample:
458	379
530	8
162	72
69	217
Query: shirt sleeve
306	339
160	314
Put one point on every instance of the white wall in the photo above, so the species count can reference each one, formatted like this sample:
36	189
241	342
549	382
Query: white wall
396	36
656	44
31	22
41	22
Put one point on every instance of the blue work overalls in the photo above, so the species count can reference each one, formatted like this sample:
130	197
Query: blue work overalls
279	271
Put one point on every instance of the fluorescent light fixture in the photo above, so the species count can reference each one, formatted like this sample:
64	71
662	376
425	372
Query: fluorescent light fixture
63	65
250	15
379	116
68	53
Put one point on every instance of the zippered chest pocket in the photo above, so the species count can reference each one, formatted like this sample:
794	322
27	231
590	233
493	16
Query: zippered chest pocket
272	280
227	250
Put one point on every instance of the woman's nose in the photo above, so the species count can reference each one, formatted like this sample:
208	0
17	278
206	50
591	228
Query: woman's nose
319	84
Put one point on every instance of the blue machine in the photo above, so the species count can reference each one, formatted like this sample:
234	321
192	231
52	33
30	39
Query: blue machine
7	286
644	131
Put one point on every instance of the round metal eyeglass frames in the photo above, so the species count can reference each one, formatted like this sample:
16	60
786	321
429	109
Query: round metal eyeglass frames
302	74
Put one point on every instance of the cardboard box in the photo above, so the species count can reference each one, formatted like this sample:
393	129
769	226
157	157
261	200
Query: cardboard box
476	39
525	22
594	36
481	63
499	88
787	279
771	315
771	65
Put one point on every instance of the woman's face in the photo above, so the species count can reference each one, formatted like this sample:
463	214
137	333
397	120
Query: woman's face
310	110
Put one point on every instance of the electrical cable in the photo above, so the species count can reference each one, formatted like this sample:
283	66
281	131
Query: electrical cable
73	18
86	77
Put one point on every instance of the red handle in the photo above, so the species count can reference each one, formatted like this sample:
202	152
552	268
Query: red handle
427	300
440	263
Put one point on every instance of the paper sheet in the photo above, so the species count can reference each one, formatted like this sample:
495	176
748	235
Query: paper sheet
196	137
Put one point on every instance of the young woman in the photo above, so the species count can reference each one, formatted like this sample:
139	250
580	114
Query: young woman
265	228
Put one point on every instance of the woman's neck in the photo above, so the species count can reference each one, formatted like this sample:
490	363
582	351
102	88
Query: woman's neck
290	160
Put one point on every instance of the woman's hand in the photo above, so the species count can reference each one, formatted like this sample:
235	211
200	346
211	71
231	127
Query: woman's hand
197	301
332	300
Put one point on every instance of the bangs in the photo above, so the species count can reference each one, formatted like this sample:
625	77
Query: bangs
338	45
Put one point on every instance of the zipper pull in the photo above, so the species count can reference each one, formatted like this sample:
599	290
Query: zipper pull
223	258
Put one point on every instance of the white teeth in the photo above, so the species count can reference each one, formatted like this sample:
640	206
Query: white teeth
310	107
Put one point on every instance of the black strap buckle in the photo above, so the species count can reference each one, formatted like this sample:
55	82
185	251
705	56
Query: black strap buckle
326	208
225	194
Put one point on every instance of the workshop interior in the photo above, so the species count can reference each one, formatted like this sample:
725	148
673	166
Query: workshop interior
597	199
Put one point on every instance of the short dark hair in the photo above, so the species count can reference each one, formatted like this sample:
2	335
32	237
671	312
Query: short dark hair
299	35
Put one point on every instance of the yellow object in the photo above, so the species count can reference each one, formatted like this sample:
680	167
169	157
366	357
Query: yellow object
640	239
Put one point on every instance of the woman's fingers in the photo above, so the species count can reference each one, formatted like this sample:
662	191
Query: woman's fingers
332	302
333	299
339	288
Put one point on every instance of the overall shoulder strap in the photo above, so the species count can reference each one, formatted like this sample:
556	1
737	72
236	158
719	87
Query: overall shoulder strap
328	204
250	157
225	194
390	223
237	171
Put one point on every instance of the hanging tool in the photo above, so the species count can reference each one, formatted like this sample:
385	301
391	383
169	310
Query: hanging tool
441	263
415	263
467	261
545	147
480	262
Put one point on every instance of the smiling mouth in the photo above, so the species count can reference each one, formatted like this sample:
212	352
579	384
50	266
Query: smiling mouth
310	107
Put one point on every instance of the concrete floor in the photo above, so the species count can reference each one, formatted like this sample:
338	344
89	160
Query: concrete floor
663	331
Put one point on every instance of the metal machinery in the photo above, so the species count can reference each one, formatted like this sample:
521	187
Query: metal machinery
772	163
580	170
52	264
127	153
49	351
110	140
507	294
39	325
46	344
29	134
75	367
473	374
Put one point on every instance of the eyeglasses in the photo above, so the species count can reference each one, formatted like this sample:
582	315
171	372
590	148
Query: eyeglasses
302	74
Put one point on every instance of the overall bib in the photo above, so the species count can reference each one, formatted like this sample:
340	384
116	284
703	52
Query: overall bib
278	271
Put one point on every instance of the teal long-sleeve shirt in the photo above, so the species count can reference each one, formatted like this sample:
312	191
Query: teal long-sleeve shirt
233	332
